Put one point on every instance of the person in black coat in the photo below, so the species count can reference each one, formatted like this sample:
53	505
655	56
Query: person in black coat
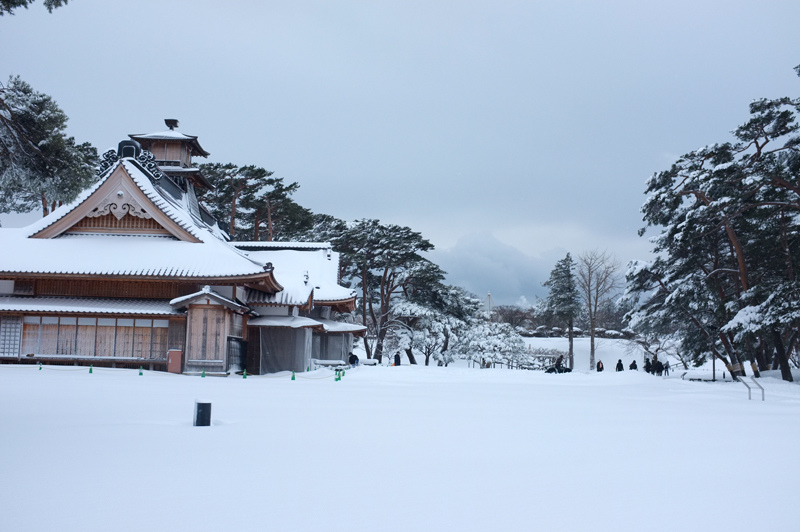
397	359
666	369
620	367
659	368
599	366
352	360
633	366
647	365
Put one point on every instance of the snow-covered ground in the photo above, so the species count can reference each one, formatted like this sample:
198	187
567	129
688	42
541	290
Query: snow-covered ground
406	448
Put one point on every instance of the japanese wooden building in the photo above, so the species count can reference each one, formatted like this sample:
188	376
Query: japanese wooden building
135	272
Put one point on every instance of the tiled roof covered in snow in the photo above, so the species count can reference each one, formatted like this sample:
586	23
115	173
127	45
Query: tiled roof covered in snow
131	255
86	305
171	134
207	293
300	267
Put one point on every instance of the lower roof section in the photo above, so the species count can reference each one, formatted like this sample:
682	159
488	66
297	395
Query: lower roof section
298	322
292	322
87	305
342	327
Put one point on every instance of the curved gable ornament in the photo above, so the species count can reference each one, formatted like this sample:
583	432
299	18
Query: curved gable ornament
119	204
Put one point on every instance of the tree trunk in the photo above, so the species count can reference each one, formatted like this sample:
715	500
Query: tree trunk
411	359
269	221
368	350
232	228
571	351
256	223
783	360
591	343
761	355
735	366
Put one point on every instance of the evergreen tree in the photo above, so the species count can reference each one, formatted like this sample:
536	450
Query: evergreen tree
381	260
252	205
8	6
233	186
563	299
729	244
489	342
40	167
271	213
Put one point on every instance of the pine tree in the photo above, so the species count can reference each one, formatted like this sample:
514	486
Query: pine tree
40	167
8	6
271	214
381	260
729	245
563	299
233	186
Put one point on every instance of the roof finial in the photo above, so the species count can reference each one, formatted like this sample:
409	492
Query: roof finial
172	123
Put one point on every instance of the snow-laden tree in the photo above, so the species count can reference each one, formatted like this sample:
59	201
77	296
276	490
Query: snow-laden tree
563	299
40	166
729	244
416	328
430	322
384	262
490	342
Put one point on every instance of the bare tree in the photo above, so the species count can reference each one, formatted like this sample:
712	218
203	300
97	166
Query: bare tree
597	280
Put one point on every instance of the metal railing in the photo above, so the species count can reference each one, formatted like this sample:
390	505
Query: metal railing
749	388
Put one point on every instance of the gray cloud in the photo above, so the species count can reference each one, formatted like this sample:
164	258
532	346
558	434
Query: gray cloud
481	264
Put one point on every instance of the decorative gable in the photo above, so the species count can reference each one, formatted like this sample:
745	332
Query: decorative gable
117	206
119	203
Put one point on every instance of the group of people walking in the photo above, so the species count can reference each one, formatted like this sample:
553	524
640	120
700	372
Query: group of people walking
656	367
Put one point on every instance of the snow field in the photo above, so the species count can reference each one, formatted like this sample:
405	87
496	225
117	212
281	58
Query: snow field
408	448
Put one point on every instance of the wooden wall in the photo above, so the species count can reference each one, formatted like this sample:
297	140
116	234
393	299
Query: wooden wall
208	327
98	337
104	288
110	223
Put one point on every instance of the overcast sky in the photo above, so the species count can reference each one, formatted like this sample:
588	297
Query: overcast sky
507	133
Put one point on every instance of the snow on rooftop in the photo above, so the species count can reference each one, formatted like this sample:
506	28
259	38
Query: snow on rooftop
301	270
125	255
293	322
169	134
340	326
178	302
256	245
94	254
85	305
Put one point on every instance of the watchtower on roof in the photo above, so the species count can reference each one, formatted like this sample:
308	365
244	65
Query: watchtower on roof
173	152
